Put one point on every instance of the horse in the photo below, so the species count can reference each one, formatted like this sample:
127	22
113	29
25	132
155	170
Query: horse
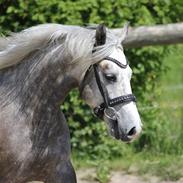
38	68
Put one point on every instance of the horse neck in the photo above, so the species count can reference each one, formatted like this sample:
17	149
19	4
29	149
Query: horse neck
36	84
30	96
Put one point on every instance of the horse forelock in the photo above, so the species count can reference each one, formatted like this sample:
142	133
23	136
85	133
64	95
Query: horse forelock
75	41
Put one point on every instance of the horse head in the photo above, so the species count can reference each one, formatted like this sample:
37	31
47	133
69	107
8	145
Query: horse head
106	89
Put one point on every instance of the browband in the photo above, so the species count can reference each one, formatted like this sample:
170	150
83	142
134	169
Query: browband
117	62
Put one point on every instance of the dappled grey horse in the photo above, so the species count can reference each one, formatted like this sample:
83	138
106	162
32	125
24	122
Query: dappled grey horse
38	67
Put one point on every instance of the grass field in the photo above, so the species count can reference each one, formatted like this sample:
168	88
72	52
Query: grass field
171	98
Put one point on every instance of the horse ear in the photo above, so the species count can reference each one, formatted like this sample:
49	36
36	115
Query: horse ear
100	36
124	32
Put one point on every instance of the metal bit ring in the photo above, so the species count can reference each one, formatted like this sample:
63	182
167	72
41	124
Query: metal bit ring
110	113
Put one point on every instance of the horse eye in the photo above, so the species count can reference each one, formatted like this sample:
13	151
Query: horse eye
110	77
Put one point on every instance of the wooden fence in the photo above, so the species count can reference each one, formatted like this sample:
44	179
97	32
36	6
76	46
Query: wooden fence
153	35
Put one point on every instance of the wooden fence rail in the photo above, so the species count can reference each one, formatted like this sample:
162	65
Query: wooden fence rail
153	35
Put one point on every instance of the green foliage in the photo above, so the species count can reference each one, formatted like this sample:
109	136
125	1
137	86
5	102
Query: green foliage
19	14
103	171
89	135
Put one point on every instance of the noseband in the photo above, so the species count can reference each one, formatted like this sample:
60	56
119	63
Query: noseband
107	106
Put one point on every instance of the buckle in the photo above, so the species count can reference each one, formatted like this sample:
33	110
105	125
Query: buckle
99	112
110	113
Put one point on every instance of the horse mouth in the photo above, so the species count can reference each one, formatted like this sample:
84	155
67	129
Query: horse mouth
126	139
118	136
113	128
116	133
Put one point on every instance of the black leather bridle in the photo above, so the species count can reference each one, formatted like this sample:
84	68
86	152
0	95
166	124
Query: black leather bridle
107	106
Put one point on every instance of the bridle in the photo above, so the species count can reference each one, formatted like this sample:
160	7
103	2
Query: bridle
107	106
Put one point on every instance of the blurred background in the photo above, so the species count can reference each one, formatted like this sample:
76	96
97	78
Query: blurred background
157	82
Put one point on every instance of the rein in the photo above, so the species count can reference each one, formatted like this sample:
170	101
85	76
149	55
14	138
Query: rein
107	106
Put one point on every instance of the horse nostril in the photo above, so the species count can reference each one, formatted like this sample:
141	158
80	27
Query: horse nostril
132	132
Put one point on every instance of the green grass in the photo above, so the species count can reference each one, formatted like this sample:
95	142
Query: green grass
171	85
168	167
171	82
174	61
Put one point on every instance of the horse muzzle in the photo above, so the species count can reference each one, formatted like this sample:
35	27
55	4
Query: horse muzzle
112	118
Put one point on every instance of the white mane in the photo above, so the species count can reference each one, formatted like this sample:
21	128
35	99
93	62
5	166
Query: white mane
76	41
